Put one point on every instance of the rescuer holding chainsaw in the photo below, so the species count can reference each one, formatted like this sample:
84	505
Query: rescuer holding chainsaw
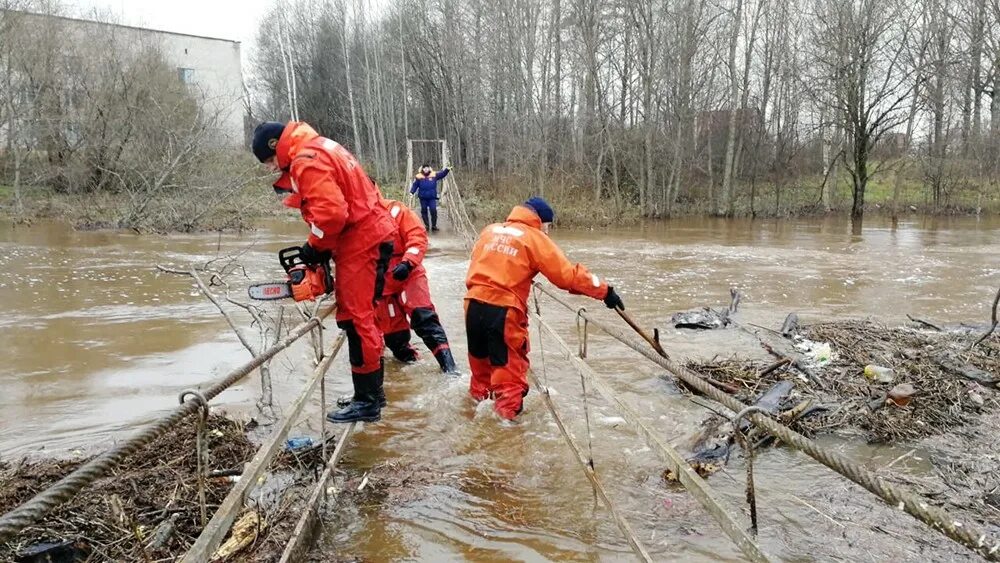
348	222
504	262
407	294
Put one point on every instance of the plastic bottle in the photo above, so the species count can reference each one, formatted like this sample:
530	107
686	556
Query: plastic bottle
879	374
298	443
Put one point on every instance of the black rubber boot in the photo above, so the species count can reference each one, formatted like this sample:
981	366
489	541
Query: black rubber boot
345	400
365	404
446	361
379	388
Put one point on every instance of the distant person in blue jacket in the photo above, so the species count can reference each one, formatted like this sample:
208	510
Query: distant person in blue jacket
425	185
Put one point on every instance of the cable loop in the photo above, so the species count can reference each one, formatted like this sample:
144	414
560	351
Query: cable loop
198	397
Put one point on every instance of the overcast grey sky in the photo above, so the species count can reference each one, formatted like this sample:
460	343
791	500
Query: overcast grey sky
228	19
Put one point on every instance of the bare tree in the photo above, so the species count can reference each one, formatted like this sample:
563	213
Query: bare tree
859	52
653	106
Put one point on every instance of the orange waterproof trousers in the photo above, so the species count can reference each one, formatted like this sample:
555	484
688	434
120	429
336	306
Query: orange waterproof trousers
498	355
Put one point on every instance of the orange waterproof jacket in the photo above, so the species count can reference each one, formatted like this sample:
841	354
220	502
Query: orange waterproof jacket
336	198
509	255
410	243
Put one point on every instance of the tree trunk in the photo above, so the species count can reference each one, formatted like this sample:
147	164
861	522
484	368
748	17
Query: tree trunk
726	199
18	203
907	140
826	156
860	183
406	96
350	88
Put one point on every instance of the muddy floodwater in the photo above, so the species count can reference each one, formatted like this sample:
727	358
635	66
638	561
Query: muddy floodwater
95	342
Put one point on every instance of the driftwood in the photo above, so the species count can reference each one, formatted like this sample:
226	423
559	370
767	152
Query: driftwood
956	367
996	303
783	350
712	444
924	323
784	362
791	325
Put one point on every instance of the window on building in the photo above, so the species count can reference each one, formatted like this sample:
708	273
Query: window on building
186	75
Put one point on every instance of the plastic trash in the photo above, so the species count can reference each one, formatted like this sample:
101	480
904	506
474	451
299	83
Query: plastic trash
819	353
977	398
298	443
902	394
822	354
879	374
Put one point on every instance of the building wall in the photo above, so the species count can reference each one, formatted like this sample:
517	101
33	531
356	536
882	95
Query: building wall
216	75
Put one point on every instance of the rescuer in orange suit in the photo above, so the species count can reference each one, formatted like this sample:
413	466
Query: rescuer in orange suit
347	221
504	262
407	297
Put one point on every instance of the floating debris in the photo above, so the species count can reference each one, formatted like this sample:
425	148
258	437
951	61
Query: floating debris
146	510
930	383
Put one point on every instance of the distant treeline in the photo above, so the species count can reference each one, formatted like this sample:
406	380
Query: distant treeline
727	107
92	109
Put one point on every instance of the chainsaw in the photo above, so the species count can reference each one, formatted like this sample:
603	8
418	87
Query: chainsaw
305	282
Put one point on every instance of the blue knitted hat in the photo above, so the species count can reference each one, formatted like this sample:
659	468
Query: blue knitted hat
542	208
265	139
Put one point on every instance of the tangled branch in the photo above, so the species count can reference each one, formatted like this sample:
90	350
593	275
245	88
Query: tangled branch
996	301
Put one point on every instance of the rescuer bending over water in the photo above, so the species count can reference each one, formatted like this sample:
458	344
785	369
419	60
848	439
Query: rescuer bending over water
504	262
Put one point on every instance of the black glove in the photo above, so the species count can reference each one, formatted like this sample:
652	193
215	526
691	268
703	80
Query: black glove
310	256
402	271
612	301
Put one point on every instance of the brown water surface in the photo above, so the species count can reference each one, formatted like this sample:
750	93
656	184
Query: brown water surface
96	342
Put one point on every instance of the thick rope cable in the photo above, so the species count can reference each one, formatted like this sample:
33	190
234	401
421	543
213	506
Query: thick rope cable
67	487
457	212
965	533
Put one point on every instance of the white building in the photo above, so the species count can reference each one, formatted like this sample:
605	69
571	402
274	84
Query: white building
210	66
214	67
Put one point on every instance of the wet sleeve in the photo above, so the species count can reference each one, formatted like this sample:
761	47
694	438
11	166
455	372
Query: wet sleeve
324	206
411	228
549	259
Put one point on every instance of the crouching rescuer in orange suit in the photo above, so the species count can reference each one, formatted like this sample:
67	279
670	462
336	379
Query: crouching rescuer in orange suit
407	300
504	262
347	222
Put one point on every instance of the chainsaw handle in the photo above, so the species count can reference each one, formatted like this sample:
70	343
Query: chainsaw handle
290	257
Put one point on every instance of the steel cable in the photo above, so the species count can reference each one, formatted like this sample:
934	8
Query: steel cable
965	533
67	487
